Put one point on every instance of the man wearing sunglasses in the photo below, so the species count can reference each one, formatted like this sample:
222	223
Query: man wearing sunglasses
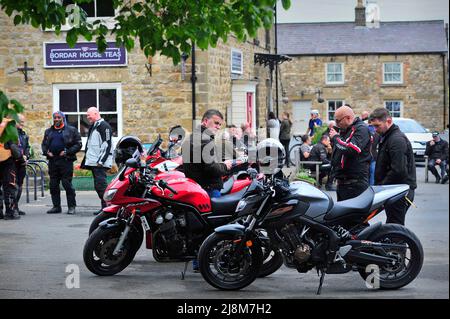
60	144
351	154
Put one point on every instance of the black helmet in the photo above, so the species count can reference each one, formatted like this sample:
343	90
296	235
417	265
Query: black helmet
270	156
126	148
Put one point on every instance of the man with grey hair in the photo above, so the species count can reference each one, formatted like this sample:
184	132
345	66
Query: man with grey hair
98	156
395	163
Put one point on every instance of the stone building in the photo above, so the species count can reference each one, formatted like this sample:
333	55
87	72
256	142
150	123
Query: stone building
138	96
398	65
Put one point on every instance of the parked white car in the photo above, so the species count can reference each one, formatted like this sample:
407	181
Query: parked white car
417	135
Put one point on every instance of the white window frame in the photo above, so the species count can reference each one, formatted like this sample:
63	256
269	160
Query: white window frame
328	110
327	73
241	70
92	86
109	21
384	73
401	107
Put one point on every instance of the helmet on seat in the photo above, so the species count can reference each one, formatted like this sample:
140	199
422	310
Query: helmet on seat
126	148
270	156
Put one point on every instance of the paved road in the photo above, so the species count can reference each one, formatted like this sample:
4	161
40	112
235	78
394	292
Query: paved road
35	251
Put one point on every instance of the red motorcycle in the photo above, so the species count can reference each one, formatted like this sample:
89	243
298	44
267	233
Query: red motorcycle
159	160
176	213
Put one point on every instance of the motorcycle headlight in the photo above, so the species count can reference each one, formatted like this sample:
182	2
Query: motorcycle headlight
241	205
109	195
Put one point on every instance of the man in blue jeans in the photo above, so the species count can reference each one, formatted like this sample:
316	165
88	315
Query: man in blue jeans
200	160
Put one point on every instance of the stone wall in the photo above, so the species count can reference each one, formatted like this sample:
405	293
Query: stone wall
151	104
422	91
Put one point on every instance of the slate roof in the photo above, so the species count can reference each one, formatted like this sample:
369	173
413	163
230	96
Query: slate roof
332	38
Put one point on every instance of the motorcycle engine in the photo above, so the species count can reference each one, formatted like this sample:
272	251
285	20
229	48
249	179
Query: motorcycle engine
299	251
170	225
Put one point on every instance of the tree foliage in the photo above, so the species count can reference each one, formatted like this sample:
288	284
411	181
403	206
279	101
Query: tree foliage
169	27
9	109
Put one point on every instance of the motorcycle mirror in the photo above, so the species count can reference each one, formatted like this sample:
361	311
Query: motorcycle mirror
177	134
131	162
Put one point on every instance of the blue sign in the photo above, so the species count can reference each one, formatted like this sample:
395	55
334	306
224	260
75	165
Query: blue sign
60	55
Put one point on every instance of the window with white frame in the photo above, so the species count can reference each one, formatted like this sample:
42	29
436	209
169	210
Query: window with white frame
74	100
394	107
237	62
335	73
392	73
333	105
95	8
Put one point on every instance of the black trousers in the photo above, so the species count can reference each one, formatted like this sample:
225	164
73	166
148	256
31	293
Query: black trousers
61	171
100	183
350	190
324	171
286	149
21	170
8	178
396	212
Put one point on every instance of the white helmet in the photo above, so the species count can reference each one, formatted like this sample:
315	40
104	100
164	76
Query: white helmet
270	156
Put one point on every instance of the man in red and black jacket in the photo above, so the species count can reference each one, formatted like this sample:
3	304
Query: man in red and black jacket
351	154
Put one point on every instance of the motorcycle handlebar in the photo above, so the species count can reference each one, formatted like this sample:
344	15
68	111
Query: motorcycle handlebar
163	184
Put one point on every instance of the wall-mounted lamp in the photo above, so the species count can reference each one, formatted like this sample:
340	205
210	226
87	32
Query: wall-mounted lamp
319	98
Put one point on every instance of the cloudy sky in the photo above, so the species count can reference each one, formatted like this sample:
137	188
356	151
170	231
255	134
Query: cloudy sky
344	10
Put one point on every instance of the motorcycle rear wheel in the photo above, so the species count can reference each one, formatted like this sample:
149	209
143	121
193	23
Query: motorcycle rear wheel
219	267
98	251
410	259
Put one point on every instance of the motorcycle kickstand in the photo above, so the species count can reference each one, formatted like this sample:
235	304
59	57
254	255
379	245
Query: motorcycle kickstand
183	273
322	276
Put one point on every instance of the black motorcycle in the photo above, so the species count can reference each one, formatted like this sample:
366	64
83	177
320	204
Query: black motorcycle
311	231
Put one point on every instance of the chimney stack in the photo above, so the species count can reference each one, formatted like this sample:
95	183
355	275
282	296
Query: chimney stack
360	14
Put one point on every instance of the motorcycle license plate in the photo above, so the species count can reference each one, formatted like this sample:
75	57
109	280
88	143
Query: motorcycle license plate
145	223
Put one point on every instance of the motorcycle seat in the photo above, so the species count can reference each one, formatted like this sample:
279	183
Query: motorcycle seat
226	205
227	186
358	205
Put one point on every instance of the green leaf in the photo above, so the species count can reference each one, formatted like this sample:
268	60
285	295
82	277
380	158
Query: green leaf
286	4
17	19
72	37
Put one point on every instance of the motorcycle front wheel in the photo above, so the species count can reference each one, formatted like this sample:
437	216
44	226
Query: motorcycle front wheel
224	265
273	260
409	260
98	251
98	219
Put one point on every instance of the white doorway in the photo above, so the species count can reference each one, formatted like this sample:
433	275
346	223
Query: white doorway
301	113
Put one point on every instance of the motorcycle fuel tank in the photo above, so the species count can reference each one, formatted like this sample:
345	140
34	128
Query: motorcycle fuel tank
319	202
189	192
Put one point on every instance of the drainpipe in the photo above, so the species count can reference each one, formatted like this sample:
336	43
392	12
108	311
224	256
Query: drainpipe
445	89
193	80
276	52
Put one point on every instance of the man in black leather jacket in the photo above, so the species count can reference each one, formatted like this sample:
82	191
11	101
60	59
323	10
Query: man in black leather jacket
200	157
395	163
351	154
60	144
319	153
437	151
